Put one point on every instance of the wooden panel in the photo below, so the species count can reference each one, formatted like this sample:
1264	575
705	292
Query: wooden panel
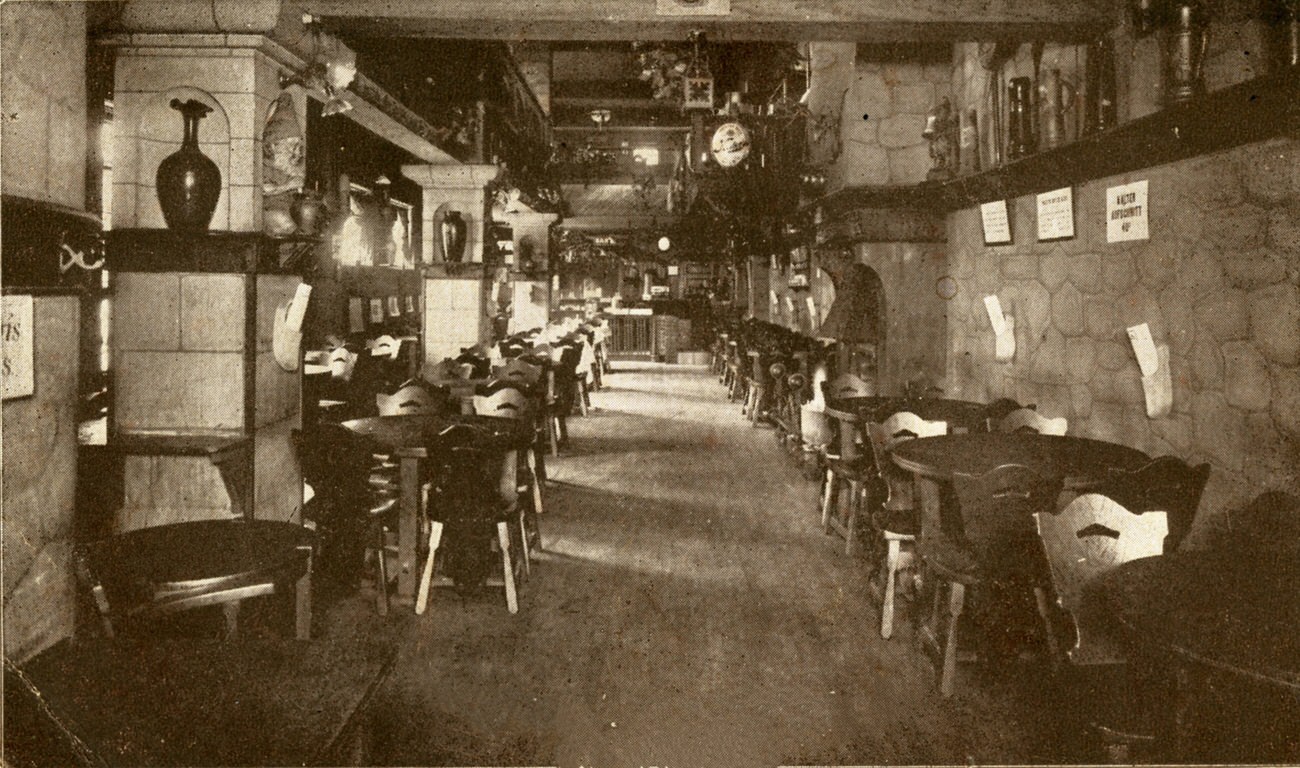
859	20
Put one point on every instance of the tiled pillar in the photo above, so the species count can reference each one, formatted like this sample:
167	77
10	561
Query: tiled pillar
531	307
455	308
194	315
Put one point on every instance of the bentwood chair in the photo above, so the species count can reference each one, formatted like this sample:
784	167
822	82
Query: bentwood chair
898	519
989	541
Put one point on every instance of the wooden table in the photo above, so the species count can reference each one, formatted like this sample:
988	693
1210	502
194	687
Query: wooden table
1080	462
412	438
184	701
867	409
169	568
1226	616
1231	611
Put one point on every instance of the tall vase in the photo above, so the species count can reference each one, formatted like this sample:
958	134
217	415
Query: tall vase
453	232
188	183
1185	52
1099	106
1021	140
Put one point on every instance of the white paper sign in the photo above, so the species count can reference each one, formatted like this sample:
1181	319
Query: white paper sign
376	310
1144	347
298	307
994	307
997	226
1056	214
19	380
1158	387
1126	212
672	270
394	309
410	303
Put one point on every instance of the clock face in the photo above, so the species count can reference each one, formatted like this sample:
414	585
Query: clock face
730	144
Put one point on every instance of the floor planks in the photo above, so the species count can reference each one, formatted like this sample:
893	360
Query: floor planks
688	611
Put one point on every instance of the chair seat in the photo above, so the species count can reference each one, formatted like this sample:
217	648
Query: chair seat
898	522
857	470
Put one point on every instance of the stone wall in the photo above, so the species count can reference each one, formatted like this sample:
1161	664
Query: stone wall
1219	283
867	116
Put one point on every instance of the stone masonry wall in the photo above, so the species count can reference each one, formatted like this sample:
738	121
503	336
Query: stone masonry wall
1219	283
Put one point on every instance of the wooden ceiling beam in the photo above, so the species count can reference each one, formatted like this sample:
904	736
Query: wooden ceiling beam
865	21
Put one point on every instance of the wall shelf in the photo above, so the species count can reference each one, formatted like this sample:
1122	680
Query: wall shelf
166	250
1251	111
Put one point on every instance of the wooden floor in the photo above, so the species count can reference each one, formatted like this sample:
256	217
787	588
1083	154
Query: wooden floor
689	611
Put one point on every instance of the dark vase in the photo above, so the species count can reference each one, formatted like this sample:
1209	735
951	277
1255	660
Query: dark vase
187	181
453	237
308	212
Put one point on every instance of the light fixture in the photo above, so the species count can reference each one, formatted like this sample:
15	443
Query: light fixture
600	117
665	244
329	71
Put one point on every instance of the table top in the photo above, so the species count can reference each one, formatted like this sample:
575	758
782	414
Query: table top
1232	610
877	408
165	443
193	554
413	435
1078	461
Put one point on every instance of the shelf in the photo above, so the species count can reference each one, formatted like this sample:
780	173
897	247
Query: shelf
166	250
1255	110
158	443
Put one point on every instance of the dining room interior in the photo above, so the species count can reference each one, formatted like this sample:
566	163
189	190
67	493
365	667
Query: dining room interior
650	382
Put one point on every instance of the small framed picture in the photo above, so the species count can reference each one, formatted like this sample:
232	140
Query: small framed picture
410	303
376	310
393	308
1056	214
997	223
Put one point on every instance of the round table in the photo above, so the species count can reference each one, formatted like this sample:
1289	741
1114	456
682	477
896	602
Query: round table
962	414
1233	611
412	437
1079	462
185	565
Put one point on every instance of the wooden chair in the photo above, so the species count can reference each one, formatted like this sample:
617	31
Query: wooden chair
848	385
519	371
512	404
990	542
466	502
409	399
999	409
898	520
1029	420
1166	484
1090	536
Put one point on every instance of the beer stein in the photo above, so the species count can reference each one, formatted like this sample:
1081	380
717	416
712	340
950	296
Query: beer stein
1057	96
1100	91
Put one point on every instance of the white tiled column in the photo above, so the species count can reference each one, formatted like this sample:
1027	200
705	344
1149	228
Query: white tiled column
455	311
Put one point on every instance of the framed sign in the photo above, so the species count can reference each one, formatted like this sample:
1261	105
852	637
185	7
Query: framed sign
376	310
19	379
1126	212
394	309
1056	214
996	222
410	303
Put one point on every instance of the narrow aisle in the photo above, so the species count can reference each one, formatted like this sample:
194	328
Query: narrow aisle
687	611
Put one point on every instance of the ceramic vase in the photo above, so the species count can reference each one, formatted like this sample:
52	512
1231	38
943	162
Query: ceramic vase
188	182
453	232
1185	45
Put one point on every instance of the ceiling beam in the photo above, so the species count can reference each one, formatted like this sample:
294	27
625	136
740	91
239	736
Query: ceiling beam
612	224
857	20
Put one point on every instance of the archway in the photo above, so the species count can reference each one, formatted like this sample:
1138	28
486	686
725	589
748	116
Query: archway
857	321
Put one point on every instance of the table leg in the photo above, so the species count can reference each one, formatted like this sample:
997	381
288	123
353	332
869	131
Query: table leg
302	601
407	527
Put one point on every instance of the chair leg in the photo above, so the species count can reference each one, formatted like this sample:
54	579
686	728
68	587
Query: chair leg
829	500
851	526
381	573
1045	612
523	540
231	612
956	602
891	570
507	567
582	397
426	579
531	457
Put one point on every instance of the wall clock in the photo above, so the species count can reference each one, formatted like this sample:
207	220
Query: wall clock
730	145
